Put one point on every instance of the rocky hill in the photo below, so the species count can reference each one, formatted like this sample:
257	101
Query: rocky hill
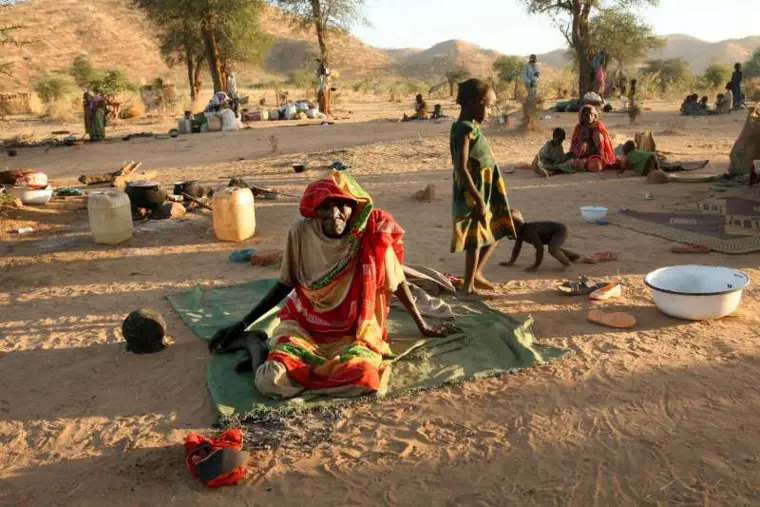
115	34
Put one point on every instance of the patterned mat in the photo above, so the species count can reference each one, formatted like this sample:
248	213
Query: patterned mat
729	225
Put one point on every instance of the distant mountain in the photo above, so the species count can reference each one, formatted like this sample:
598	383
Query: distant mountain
698	53
433	61
114	33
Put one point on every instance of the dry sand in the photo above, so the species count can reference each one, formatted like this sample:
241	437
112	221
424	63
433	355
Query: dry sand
665	414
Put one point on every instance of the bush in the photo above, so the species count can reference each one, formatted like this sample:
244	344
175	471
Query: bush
752	89
63	109
112	82
53	87
83	72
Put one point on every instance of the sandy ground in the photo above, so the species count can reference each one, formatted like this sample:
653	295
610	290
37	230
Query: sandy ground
662	415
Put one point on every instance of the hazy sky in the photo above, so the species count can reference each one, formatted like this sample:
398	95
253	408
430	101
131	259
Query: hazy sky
505	26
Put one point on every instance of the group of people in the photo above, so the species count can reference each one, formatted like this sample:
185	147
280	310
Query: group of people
421	111
591	148
730	100
343	262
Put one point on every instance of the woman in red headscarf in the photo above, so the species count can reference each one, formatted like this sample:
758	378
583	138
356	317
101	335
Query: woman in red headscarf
591	144
341	265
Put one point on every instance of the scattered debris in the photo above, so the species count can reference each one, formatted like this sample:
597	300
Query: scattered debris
120	178
243	255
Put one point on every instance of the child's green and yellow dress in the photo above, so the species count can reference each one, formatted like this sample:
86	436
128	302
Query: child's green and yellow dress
469	232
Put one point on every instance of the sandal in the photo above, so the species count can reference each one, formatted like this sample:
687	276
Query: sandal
583	286
617	320
609	291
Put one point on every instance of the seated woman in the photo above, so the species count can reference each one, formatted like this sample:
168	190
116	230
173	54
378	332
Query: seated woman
725	104
420	110
591	145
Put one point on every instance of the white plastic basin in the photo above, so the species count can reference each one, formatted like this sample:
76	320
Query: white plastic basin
592	214
695	292
31	195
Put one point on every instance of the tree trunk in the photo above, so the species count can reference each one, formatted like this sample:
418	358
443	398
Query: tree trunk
190	61
319	26
212	53
197	76
581	40
451	87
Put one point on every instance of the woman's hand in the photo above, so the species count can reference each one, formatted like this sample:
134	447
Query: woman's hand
225	336
480	209
439	331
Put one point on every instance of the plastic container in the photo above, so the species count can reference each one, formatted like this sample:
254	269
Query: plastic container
28	195
234	214
593	213
264	115
110	217
214	123
229	120
185	126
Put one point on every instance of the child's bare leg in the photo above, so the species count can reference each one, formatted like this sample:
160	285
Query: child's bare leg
470	268
570	254
558	254
484	254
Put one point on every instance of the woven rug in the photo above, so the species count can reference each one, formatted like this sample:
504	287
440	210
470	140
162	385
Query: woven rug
729	226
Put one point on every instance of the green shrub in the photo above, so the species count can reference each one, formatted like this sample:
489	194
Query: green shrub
53	87
112	82
83	72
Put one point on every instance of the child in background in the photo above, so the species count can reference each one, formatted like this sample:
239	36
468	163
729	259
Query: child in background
552	155
480	207
640	162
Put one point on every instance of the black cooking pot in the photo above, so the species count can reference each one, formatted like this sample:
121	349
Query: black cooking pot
146	194
192	188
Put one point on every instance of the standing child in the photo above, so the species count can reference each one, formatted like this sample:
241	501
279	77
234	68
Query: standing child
736	86
480	207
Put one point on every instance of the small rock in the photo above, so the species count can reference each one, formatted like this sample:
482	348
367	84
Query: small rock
427	195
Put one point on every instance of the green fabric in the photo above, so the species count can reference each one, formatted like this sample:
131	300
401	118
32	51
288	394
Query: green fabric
493	343
98	126
637	161
470	232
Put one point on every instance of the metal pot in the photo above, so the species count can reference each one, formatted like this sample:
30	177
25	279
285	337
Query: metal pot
146	194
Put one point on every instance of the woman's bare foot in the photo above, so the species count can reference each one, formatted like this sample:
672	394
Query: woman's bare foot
482	283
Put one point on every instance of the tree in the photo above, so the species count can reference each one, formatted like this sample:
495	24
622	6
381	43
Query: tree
228	29
752	67
508	68
670	71
455	75
718	74
325	16
623	35
83	72
572	18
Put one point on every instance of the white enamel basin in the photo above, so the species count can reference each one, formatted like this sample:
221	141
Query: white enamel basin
695	292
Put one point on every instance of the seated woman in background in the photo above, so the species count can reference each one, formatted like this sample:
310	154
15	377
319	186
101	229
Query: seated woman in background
591	145
726	104
420	110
